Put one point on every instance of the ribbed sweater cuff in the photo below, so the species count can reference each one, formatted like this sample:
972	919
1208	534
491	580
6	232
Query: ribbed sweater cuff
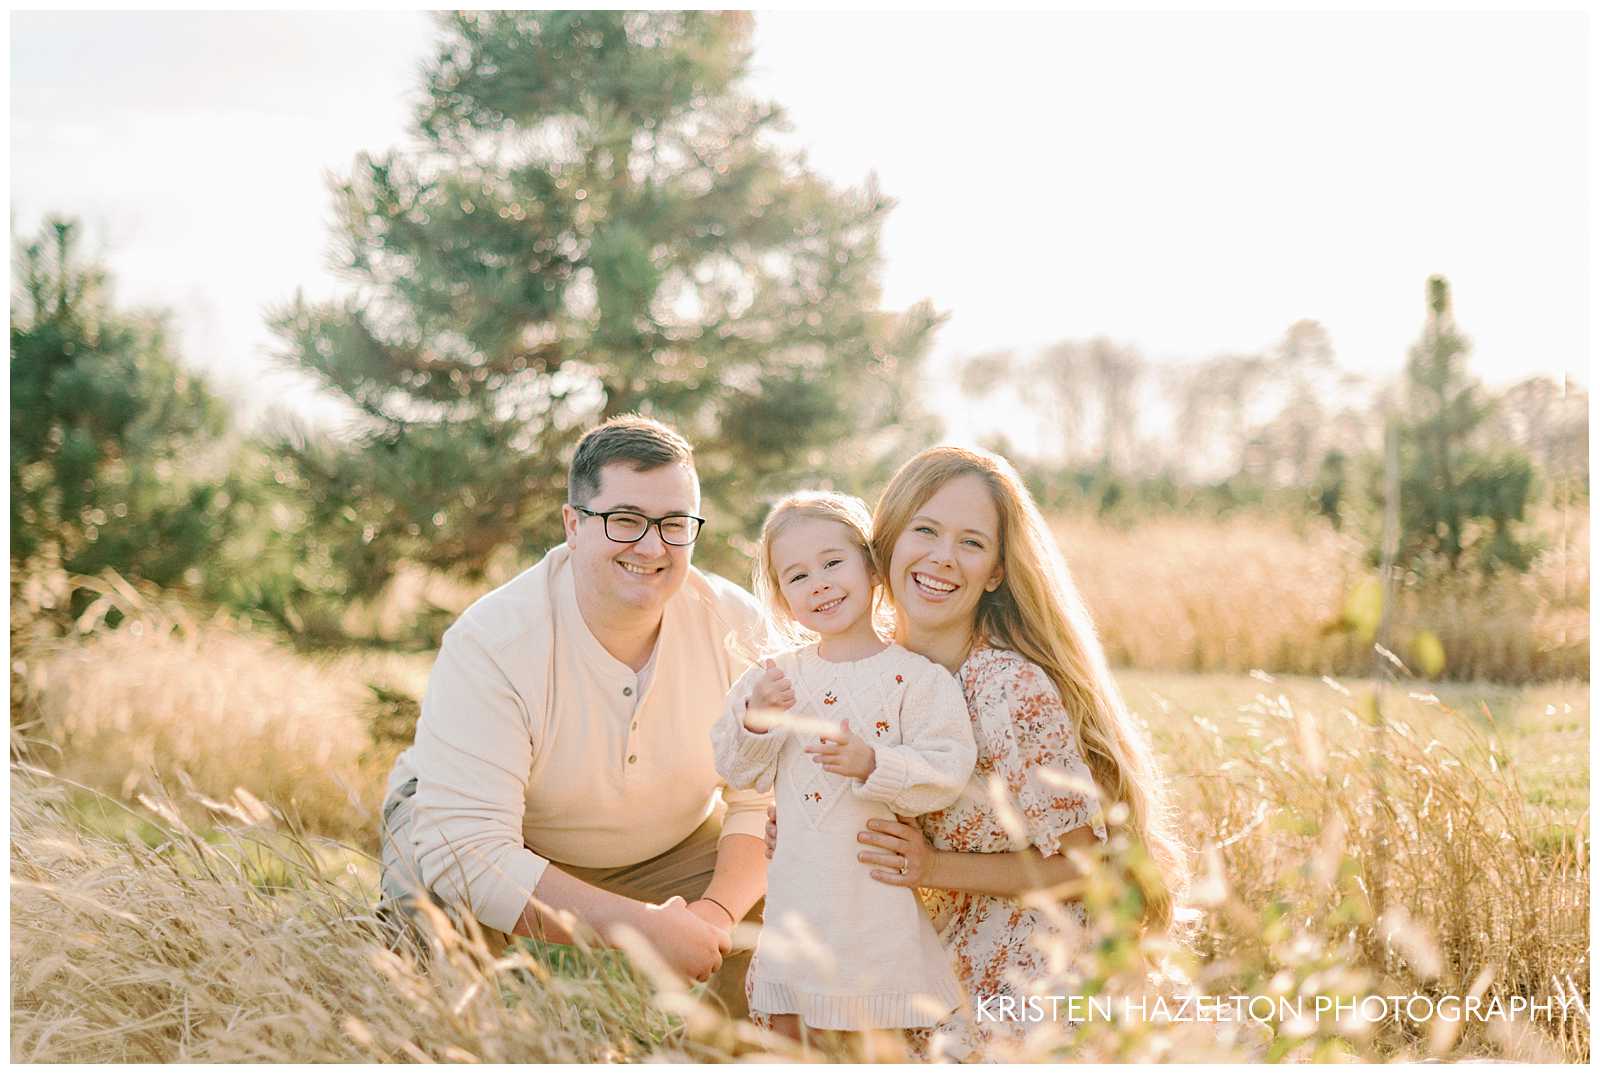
889	778
760	749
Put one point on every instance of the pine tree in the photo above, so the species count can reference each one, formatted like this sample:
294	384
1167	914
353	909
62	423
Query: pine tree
1455	497
595	222
106	425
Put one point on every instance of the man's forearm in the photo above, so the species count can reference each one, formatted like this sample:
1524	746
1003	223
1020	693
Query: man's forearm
740	877
738	880
559	898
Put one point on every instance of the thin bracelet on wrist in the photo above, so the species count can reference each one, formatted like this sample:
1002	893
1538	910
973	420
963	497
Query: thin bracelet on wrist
731	919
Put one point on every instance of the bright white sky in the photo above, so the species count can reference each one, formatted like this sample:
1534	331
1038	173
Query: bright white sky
1189	184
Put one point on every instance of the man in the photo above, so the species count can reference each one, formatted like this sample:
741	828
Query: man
562	763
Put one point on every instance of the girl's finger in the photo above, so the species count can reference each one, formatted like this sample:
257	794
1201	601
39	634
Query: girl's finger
893	879
892	861
889	827
887	842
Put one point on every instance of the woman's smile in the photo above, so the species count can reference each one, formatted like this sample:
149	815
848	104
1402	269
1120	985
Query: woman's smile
933	587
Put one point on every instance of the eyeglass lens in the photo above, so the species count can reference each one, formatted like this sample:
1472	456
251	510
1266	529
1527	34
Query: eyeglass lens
675	529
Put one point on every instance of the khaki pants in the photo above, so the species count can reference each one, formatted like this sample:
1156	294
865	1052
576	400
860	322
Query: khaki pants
684	870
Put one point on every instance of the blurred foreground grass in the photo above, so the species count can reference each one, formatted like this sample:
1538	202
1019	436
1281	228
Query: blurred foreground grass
193	824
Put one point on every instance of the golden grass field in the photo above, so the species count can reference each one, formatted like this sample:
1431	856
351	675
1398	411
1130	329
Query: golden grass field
193	819
1190	594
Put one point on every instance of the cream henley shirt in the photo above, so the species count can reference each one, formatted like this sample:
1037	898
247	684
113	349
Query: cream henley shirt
534	744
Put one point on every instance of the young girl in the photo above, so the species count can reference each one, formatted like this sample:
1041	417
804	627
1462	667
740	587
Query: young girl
838	950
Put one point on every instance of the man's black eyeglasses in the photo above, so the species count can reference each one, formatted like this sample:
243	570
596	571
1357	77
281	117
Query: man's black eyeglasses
626	527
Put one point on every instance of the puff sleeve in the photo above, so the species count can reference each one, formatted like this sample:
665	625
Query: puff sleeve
1043	764
934	761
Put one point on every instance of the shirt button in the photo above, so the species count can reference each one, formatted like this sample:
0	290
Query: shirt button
627	691
632	757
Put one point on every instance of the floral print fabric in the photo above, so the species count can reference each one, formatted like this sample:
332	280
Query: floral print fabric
1031	786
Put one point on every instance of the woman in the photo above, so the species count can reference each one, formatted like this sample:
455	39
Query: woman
978	585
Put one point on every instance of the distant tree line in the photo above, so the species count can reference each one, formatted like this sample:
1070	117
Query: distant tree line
1288	428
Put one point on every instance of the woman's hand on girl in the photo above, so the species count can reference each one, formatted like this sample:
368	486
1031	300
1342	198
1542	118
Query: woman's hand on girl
845	754
903	856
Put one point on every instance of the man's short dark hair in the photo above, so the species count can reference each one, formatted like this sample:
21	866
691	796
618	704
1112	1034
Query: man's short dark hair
643	443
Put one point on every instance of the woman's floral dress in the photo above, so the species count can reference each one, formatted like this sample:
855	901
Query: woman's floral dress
1031	786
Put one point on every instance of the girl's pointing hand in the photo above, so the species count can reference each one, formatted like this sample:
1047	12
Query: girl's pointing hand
845	754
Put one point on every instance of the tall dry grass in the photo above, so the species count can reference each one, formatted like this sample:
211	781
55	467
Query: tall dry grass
1436	854
234	947
1385	840
170	700
1188	594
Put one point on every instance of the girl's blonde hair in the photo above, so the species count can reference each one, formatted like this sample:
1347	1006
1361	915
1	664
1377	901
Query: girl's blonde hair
851	513
1037	612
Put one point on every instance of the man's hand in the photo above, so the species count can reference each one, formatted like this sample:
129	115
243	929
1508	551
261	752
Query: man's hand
772	691
845	754
688	943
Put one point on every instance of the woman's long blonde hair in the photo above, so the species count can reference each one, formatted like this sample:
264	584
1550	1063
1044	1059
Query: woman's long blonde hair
1037	612
851	513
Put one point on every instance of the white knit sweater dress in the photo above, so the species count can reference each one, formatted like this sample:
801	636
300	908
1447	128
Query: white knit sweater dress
838	948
